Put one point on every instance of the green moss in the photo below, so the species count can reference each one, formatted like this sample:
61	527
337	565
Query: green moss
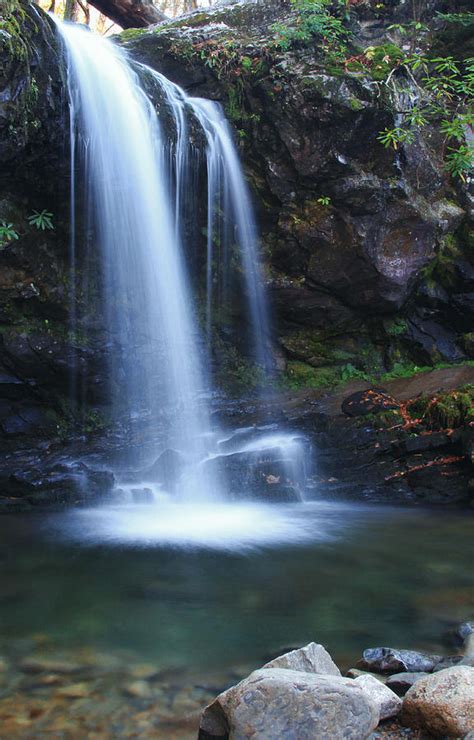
445	410
396	327
196	20
377	61
16	29
356	104
130	34
301	375
451	410
443	268
381	419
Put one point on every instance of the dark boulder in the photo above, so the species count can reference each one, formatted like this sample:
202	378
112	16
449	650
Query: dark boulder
166	470
368	402
390	660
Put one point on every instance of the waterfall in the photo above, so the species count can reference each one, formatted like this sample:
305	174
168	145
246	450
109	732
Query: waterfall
148	300
227	186
230	213
137	179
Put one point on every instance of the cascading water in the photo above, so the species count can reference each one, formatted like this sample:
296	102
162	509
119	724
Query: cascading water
230	214
149	304
136	177
227	186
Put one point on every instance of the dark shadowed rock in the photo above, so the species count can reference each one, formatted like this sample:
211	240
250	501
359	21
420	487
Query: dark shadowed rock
258	474
371	401
390	660
401	682
459	634
448	662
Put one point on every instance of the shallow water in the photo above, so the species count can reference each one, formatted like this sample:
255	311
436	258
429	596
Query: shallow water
208	588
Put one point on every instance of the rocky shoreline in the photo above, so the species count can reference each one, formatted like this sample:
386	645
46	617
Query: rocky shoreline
391	693
302	694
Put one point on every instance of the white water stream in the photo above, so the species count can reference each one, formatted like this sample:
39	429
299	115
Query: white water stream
137	182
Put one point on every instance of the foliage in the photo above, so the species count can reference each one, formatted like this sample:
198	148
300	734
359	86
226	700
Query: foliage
315	19
397	327
11	20
379	60
301	375
443	95
324	200
350	372
7	233
465	19
41	219
449	410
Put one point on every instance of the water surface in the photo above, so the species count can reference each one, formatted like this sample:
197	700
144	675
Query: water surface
208	587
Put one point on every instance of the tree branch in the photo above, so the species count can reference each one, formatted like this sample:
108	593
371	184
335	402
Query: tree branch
130	13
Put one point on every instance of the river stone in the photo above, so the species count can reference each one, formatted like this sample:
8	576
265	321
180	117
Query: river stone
448	662
281	703
442	703
401	682
464	630
40	664
388	702
312	658
356	672
390	660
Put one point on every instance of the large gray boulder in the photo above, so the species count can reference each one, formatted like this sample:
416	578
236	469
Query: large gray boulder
312	658
281	703
388	702
442	703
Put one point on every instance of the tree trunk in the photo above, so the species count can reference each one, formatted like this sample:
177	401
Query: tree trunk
69	10
130	13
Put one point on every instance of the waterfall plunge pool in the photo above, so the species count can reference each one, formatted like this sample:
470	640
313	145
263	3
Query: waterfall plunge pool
204	588
126	621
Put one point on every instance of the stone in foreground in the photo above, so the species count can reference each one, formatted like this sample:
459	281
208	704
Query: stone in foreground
442	703
312	658
388	702
281	703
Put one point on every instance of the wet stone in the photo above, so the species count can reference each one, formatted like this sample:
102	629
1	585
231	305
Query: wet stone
75	691
401	682
144	671
49	665
390	660
388	702
356	672
138	689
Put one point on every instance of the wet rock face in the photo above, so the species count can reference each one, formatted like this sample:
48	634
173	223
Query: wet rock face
39	350
32	103
349	227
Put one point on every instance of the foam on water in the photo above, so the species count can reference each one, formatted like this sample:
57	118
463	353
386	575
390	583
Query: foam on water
218	526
